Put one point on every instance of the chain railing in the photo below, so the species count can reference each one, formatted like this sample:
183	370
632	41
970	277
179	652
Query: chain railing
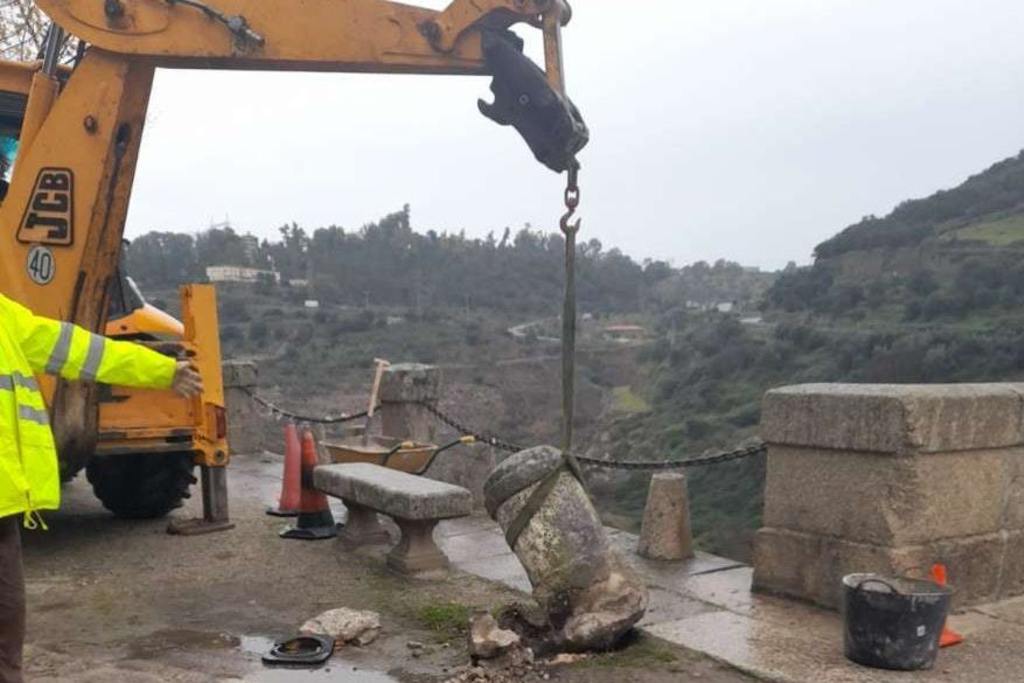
463	429
750	451
282	413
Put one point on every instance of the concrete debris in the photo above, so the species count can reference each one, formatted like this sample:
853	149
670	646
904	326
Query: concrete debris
346	626
487	640
516	670
591	596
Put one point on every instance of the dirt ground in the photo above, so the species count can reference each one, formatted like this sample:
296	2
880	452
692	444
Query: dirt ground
113	600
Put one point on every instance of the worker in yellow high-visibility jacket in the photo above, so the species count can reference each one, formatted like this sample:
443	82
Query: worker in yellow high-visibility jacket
29	473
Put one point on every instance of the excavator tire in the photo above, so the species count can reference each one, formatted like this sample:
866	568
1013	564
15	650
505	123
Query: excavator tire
141	486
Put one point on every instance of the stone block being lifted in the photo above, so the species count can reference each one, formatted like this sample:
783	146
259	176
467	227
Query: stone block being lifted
592	597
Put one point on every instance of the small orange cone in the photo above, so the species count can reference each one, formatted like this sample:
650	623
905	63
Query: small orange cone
315	520
288	501
949	637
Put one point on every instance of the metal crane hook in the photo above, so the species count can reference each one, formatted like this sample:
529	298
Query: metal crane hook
572	201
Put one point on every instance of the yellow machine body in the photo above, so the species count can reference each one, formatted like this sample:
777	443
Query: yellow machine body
79	128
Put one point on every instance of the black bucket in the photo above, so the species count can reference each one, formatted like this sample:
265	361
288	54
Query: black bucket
893	623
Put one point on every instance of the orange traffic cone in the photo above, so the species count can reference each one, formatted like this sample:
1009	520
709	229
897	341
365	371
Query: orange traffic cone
288	502
949	636
315	520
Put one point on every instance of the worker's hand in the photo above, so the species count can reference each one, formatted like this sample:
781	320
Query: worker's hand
187	381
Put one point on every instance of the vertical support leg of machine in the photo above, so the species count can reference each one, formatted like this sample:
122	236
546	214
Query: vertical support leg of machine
215	495
214	483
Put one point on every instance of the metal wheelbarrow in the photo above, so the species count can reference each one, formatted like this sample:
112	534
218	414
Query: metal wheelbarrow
405	456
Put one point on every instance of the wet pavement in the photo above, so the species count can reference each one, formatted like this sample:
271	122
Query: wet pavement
705	604
113	600
122	601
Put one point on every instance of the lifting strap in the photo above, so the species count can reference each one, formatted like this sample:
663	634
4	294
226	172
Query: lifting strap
569	462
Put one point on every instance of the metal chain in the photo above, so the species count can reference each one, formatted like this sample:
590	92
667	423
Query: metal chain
501	444
461	428
569	231
699	461
302	418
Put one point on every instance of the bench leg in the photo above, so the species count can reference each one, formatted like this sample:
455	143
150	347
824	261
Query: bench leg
362	527
417	553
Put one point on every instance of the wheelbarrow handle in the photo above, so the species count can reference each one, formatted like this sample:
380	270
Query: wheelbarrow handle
394	449
461	441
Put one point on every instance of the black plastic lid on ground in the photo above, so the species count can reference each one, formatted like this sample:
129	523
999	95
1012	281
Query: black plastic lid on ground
304	650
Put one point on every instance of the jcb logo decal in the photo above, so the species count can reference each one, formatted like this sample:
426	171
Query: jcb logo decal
49	216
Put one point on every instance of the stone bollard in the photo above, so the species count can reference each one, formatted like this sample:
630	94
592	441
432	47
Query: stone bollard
401	417
591	596
666	534
245	432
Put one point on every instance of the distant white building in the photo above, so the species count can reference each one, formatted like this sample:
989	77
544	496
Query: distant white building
239	274
623	334
725	307
312	303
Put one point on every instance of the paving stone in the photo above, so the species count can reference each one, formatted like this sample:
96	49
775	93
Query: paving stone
467	525
670	605
505	569
474	545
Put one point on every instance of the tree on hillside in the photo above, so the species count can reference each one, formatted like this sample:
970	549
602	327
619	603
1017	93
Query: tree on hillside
23	29
388	263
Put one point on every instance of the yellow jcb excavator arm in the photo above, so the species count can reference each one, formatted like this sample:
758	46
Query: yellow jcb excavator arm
65	208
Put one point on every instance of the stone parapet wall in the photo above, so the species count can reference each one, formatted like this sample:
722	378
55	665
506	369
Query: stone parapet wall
891	479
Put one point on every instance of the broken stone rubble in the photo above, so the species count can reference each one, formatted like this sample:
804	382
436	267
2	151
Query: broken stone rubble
487	640
346	626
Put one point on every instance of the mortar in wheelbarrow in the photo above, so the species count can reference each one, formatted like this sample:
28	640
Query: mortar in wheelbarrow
406	456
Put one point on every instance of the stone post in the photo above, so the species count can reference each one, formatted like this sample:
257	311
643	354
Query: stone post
665	534
891	479
401	417
245	433
401	386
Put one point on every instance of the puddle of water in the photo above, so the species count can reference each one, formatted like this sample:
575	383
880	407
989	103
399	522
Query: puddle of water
164	642
331	672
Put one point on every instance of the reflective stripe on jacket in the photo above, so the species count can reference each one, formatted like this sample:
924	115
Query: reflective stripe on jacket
31	345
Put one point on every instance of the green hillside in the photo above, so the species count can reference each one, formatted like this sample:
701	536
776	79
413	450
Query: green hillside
986	209
952	258
930	293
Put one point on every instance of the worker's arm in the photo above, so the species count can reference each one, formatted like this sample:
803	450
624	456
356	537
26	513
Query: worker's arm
60	348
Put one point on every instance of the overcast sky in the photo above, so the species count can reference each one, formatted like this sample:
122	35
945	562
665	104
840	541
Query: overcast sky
743	129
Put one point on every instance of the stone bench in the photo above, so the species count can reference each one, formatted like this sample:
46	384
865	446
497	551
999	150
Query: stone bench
415	503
